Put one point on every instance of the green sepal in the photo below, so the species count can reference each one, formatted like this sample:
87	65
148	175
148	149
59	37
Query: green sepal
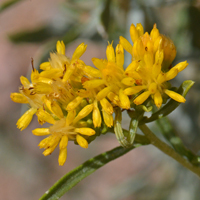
132	130
125	139
118	129
171	105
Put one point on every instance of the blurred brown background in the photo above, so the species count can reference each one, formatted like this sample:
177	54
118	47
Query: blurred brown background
30	28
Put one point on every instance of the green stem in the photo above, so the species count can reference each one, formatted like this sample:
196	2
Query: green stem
168	150
76	175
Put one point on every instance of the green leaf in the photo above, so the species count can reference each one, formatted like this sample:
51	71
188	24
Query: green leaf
171	136
37	35
171	105
105	15
75	176
45	32
8	4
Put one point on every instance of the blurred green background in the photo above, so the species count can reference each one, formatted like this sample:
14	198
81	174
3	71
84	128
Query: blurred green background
31	28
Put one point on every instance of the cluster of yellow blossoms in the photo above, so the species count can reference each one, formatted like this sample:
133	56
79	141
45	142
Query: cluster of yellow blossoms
67	93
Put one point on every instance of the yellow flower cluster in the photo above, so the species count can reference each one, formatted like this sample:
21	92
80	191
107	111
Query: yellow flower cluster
68	92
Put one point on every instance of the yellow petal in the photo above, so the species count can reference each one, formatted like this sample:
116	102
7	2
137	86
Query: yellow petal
159	57
119	55
70	117
81	141
60	47
18	98
161	78
181	66
96	116
73	104
108	118
44	143
156	69
134	75
103	93
45	66
154	33
158	44
126	44
106	105
133	33
93	83
132	66
79	51
142	97
56	109
24	81
62	156
140	29
158	99
98	63
52	73
91	71
41	131
42	88
152	88
84	112
113	98
110	53
171	74
69	72
124	100
134	90
138	49
49	150
128	81
175	96
85	131
63	142
53	141
34	76
148	59
26	118
44	116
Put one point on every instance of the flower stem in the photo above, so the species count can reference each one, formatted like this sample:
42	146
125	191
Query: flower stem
168	150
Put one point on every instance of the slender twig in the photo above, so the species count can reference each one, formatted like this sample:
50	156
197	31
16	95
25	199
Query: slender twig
168	150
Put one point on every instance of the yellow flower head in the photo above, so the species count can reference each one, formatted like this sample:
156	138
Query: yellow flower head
145	42
28	96
61	66
60	133
70	95
152	81
111	75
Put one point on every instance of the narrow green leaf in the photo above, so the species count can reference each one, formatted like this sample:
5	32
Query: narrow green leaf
171	136
43	33
8	4
75	176
171	105
105	15
37	35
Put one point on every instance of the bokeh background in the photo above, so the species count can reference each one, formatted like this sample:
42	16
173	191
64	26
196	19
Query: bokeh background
30	28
